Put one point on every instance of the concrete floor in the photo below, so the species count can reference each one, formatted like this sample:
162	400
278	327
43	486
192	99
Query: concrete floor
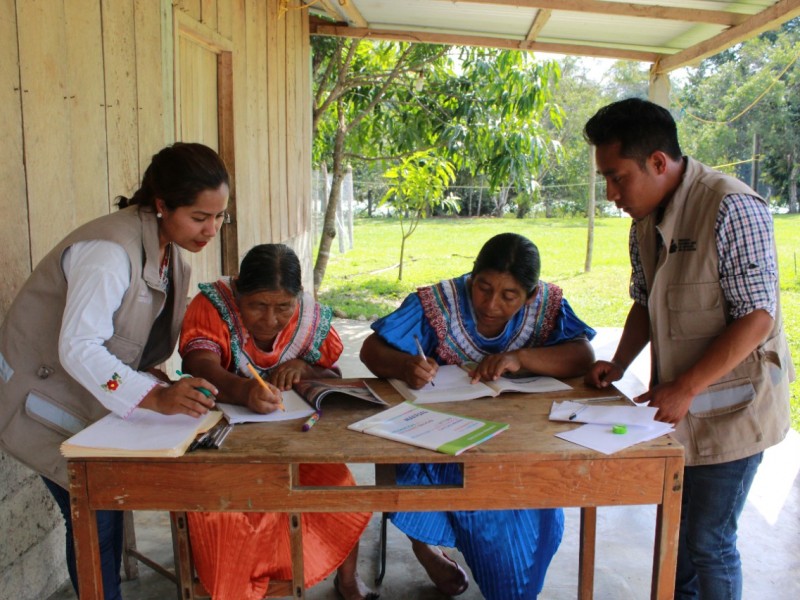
769	530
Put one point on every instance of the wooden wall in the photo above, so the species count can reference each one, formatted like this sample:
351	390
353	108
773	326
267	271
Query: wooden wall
87	96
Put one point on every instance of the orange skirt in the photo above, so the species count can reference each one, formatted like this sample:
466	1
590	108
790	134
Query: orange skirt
236	554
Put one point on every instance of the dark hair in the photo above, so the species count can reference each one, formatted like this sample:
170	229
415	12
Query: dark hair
514	254
270	267
641	128
177	174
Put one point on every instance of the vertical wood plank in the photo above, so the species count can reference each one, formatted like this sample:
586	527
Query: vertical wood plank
668	519
586	552
85	96
281	79
168	70
46	127
293	139
84	526
208	13
242	134
304	106
225	12
230	251
119	54
190	7
256	130
149	80
270	137
276	139
16	246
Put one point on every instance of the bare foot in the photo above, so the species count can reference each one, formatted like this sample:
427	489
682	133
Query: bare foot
447	576
353	588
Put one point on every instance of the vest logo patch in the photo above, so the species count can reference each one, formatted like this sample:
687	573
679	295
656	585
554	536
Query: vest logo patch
683	245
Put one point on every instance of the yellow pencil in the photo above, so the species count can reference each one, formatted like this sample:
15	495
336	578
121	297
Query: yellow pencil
263	383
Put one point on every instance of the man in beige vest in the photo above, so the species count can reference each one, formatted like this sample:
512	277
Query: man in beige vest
704	286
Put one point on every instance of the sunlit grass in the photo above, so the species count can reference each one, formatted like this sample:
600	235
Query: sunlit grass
363	281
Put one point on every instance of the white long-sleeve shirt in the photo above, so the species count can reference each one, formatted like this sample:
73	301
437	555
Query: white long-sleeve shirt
98	273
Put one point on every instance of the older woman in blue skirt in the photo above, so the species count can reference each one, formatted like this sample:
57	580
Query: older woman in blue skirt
503	319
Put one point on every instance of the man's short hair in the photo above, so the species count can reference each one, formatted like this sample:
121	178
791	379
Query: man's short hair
641	128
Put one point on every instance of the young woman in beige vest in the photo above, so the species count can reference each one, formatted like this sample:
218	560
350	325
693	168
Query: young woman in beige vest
99	312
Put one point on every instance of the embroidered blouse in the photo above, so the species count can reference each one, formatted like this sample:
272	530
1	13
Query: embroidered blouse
442	317
213	323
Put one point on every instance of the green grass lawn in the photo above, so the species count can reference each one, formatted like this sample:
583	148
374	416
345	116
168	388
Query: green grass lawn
363	281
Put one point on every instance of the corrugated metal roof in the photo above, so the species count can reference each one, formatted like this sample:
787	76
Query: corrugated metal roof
673	33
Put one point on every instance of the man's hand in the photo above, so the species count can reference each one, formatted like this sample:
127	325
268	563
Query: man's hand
671	399
603	373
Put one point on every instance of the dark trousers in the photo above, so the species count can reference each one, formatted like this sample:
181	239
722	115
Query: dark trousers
109	530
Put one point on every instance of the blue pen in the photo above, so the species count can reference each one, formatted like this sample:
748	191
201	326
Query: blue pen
421	353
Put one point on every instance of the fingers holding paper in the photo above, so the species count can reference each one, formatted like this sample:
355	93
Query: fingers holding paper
285	375
671	399
192	396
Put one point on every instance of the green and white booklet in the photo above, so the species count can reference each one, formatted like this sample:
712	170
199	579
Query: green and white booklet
418	426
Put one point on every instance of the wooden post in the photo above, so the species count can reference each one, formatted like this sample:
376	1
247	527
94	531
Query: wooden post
587	266
755	172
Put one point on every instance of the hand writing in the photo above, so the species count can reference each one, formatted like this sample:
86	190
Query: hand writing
417	372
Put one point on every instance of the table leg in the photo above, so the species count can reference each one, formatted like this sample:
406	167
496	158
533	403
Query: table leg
586	552
296	535
84	530
668	521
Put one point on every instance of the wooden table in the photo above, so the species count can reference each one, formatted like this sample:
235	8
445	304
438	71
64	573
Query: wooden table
257	470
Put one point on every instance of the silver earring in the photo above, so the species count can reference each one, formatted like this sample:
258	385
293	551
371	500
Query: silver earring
158	215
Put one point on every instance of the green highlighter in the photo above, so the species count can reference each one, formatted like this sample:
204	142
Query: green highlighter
202	390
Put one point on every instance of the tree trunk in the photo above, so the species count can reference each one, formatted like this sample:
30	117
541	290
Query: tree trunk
329	223
587	266
402	252
794	174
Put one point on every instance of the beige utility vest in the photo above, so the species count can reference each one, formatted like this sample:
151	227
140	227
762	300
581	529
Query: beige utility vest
40	404
747	410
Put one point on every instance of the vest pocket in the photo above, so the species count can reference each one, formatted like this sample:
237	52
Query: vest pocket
50	413
722	414
695	310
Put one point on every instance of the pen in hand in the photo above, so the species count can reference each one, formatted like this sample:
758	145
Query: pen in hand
421	354
263	383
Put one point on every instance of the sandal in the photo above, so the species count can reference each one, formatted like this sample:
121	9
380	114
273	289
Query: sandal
370	595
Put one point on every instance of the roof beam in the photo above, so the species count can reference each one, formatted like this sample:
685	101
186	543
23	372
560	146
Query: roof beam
342	9
626	9
769	18
539	21
321	27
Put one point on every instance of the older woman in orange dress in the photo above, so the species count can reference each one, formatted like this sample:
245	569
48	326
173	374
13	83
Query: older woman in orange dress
263	318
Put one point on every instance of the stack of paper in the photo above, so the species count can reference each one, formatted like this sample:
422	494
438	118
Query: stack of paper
597	431
143	433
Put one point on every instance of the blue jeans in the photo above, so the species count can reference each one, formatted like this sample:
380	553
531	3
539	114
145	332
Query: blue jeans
109	531
709	567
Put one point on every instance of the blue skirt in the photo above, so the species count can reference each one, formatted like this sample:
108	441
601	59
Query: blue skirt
508	551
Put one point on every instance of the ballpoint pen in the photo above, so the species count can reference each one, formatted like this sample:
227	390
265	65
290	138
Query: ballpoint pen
421	353
592	401
312	420
263	384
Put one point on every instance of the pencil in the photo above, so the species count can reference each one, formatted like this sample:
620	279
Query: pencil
421	353
263	383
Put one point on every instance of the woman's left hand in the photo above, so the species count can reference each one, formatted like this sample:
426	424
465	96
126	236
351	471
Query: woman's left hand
288	373
494	365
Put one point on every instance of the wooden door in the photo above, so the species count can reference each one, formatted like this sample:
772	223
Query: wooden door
204	113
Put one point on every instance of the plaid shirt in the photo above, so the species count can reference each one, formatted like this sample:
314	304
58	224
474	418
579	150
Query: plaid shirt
748	271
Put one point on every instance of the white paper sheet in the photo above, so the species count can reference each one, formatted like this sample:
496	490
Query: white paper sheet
602	439
296	408
603	415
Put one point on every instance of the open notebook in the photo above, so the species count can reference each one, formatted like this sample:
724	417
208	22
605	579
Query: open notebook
452	383
144	433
